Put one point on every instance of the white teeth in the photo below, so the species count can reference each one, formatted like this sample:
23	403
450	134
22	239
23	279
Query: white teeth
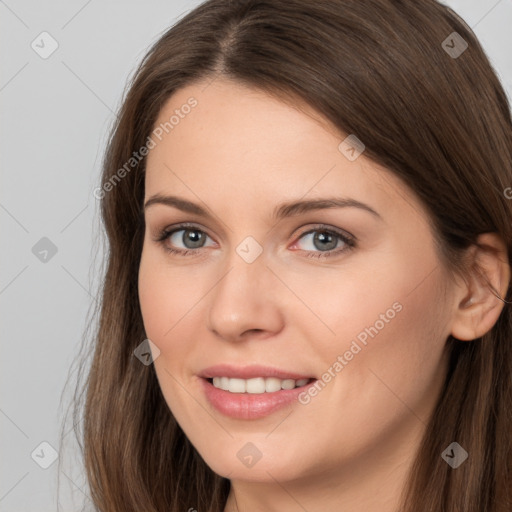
288	384
256	385
237	385
224	383
272	384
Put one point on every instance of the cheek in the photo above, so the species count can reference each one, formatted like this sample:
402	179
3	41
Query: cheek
339	304
158	302
155	303
388	319
166	294
394	353
164	303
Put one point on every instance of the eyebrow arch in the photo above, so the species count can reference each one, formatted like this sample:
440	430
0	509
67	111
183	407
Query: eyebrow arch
283	210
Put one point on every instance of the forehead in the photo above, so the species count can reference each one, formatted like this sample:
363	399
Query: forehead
244	148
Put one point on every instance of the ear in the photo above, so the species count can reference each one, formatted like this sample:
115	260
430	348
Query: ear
480	300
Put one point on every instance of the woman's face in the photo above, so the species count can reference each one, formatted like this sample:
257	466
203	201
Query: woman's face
367	315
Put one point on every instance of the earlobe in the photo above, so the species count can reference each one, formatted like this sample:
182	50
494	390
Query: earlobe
481	301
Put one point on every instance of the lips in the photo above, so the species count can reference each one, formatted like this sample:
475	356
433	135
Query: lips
251	372
246	406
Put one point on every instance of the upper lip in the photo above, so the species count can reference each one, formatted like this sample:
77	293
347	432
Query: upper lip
249	372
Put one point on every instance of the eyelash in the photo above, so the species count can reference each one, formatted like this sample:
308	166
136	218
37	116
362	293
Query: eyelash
349	241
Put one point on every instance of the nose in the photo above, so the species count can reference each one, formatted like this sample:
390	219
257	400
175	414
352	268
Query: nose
245	301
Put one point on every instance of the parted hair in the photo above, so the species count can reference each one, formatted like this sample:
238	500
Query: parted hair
380	69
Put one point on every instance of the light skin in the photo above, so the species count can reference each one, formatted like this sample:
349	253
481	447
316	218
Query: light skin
239	153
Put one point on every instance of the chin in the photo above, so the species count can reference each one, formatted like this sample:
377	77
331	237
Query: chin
268	468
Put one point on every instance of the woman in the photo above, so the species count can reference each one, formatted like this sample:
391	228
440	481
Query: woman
307	298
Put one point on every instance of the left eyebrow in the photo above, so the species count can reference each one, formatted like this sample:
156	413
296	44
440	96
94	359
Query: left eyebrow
283	210
299	207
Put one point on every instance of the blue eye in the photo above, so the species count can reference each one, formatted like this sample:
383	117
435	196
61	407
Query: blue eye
196	240
325	239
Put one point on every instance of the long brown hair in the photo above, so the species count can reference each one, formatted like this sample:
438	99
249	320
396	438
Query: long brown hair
441	122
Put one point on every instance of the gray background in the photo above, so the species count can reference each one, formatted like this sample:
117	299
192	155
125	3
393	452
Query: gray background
56	113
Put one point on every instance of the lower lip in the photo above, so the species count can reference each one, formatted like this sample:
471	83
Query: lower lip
251	406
